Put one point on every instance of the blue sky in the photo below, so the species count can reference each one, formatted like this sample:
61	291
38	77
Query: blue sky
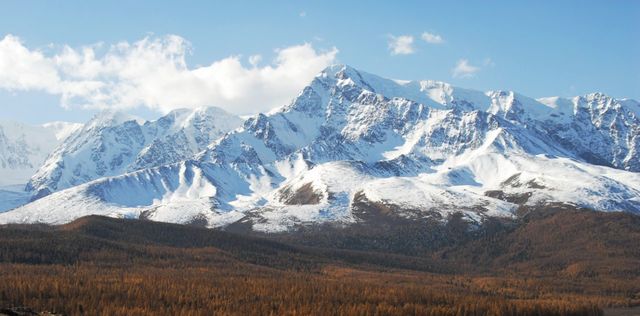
540	48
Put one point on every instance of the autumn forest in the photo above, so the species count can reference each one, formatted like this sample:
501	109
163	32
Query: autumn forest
105	266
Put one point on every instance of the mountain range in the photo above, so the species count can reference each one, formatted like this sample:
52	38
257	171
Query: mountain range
113	143
349	144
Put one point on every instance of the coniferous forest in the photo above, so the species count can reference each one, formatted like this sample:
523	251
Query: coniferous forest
105	266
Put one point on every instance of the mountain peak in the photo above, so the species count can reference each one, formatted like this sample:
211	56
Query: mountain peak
336	70
597	96
62	130
111	117
113	143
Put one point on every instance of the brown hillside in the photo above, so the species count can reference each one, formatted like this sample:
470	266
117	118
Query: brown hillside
551	261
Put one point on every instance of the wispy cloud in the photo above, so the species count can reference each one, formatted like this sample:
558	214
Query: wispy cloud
401	45
153	73
432	38
302	14
464	69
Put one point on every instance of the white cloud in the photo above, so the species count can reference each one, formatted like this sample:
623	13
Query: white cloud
153	72
21	69
401	45
432	38
464	70
303	14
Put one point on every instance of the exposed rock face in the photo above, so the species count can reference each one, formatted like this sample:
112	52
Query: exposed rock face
113	143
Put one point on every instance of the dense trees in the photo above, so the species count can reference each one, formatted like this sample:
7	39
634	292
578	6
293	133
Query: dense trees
141	290
101	266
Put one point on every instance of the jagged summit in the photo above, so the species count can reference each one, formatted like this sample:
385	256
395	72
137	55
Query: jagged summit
112	143
441	95
554	116
110	117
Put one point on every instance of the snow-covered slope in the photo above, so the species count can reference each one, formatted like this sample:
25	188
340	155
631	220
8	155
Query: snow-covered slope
114	143
352	142
597	128
23	148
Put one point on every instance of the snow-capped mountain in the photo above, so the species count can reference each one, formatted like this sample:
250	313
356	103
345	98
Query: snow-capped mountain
24	147
353	142
114	143
602	130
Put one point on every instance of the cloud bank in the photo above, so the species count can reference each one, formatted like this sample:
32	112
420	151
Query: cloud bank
153	73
